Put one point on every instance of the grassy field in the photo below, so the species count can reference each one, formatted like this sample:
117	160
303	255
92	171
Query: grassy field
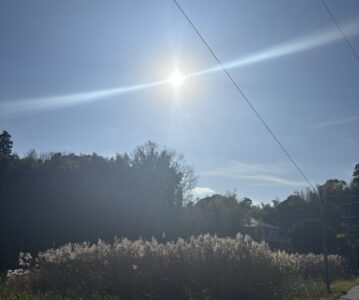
339	287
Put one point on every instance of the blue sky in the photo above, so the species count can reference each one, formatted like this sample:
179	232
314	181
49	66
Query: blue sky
65	69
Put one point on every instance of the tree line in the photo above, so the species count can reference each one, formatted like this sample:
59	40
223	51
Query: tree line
51	199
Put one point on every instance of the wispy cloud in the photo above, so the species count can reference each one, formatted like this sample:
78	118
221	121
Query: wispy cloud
201	192
259	173
337	122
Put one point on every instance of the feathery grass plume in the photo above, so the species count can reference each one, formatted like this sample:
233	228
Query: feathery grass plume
203	267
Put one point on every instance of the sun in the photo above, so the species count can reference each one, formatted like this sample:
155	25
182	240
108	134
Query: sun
176	79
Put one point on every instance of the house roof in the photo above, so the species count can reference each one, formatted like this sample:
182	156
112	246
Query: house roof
258	223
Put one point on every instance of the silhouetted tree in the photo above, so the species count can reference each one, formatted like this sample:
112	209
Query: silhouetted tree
217	214
5	144
305	237
54	198
356	176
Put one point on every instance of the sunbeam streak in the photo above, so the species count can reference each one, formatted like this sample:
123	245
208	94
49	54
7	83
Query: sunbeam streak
284	49
71	99
291	47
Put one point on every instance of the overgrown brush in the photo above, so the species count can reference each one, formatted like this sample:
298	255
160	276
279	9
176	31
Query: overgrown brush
204	267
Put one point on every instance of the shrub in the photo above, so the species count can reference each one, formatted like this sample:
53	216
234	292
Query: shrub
204	267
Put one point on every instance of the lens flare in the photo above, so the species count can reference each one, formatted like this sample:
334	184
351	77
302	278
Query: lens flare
301	44
176	79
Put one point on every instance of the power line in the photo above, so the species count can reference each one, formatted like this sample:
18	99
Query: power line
291	159
340	30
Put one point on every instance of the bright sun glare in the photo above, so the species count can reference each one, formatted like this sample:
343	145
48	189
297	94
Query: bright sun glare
176	79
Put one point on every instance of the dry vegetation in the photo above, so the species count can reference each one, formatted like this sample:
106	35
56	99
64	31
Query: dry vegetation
204	267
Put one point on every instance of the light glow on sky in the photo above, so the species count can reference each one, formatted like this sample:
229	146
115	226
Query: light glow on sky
176	79
83	78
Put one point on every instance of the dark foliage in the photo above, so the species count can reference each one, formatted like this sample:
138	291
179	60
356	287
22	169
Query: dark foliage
48	200
5	144
305	237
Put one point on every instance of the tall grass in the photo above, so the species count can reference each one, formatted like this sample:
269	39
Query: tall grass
204	267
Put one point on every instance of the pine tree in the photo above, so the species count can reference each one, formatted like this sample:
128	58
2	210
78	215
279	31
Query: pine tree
5	144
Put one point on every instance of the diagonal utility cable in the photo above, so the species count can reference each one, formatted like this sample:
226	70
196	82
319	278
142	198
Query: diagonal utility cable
291	159
341	31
